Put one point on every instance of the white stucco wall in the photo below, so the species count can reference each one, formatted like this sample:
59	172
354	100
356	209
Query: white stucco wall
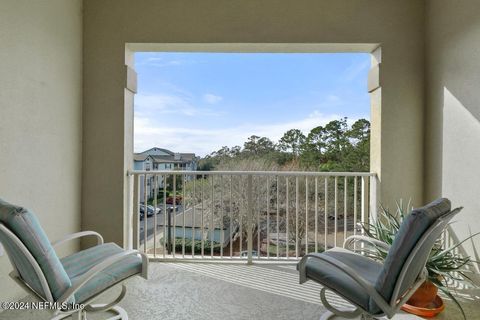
108	25
452	163
41	116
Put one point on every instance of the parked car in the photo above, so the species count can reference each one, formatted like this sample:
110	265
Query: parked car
178	200
245	253
150	210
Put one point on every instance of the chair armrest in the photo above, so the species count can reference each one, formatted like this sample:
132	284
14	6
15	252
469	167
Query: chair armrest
78	235
342	267
347	244
94	271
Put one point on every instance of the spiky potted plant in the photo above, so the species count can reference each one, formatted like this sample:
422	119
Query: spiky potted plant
445	265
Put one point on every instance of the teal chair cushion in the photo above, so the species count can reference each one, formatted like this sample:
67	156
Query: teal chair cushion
331	277
412	229
79	263
24	224
24	268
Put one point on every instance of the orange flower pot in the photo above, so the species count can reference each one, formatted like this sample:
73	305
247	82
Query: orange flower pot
424	295
425	302
435	307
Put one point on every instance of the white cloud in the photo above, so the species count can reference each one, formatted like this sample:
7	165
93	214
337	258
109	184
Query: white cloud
333	98
355	70
155	61
203	141
154	58
212	98
166	63
163	103
149	104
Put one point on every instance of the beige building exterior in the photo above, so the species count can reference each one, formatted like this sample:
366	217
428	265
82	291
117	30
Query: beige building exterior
66	95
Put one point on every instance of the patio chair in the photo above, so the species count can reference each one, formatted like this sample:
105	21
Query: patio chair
373	288
68	285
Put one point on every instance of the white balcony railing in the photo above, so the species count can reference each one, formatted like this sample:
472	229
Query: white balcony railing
245	215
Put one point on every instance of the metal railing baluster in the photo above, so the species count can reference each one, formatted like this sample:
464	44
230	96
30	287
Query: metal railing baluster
212	219
364	201
194	213
184	202
306	215
145	213
345	200
278	219
336	214
297	226
355	204
222	226
249	218
316	214
155	191
257	199
287	221
326	214
240	217
165	232
268	217
231	217
174	203
202	244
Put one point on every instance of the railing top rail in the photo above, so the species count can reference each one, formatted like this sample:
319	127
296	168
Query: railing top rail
258	173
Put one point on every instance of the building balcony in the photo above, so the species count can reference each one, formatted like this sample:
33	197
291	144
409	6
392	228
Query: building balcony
66	141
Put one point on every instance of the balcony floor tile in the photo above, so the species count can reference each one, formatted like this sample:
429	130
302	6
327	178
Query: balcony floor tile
222	291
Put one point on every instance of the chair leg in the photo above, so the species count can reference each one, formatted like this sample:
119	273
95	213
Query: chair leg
80	315
77	315
332	311
369	317
120	313
327	315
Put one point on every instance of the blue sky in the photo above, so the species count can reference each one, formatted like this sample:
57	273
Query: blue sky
199	102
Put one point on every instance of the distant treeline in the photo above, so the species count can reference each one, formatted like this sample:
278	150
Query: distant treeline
333	147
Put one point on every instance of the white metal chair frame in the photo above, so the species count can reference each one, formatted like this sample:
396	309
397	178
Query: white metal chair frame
389	309
76	312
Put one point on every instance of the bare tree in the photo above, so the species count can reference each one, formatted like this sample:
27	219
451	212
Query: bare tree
224	199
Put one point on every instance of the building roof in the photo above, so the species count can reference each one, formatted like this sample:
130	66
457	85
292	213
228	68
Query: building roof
140	157
151	151
158	157
170	157
187	156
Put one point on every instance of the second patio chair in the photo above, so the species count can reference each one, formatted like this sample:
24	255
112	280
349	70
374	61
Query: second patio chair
373	288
